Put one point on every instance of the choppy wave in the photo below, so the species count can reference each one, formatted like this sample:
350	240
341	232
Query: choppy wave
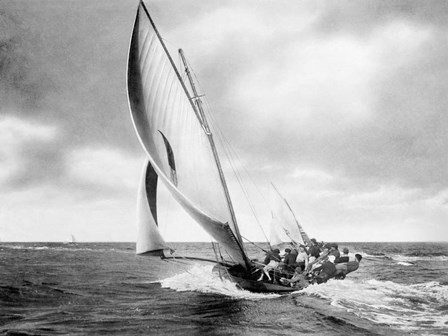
414	258
408	307
200	278
63	247
22	247
407	258
97	288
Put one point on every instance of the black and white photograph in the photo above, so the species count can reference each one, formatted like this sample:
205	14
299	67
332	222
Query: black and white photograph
250	167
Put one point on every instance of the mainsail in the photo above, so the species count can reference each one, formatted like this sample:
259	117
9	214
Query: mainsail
172	133
284	225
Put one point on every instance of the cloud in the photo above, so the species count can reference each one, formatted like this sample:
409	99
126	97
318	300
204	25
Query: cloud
45	213
341	105
106	168
49	75
20	164
93	197
302	95
80	82
361	18
31	156
22	82
349	95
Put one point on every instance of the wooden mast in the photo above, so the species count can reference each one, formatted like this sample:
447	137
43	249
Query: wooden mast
198	103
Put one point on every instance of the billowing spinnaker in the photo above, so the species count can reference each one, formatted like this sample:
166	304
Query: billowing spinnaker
284	225
149	238
173	137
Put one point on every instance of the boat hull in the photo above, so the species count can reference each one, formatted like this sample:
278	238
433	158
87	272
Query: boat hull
251	285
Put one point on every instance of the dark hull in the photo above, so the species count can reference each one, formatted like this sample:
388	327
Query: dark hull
247	282
244	280
261	287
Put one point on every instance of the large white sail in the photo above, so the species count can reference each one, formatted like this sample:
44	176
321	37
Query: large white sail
284	226
172	134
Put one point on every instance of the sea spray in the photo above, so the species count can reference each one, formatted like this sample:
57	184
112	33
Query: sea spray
201	278
407	307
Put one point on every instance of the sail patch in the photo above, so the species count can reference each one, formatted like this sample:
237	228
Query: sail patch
171	162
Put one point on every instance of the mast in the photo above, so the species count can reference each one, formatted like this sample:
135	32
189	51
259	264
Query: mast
198	102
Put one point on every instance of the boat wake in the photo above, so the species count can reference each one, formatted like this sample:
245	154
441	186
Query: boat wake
406	307
412	259
407	258
200	278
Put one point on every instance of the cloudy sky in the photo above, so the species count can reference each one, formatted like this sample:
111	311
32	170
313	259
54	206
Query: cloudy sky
343	105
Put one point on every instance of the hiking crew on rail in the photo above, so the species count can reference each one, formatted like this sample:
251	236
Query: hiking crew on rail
302	265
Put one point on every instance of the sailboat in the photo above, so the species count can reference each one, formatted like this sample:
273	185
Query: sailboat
71	240
172	127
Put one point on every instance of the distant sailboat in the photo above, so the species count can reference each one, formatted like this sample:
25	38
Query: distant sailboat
71	240
173	130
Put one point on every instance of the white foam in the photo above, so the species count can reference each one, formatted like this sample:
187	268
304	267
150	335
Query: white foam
403	258
402	306
200	278
72	248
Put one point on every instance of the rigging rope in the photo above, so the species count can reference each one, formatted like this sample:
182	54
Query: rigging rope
233	157
250	242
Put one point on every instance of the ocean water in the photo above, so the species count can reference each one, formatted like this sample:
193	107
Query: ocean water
105	289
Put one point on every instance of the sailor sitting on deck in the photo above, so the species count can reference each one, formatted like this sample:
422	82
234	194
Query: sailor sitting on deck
326	271
289	260
343	258
316	262
298	279
302	258
271	261
343	269
329	249
314	250
333	250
